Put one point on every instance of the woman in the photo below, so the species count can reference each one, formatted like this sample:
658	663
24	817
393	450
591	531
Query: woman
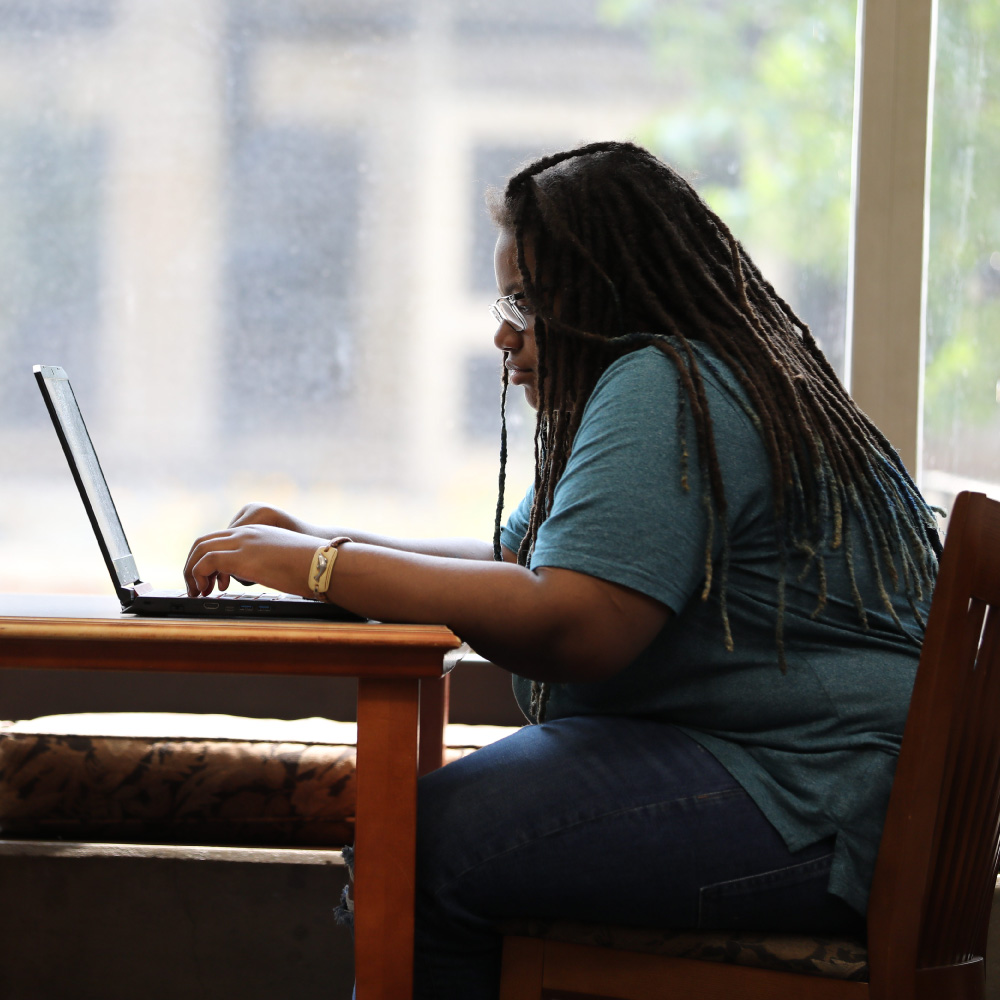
712	597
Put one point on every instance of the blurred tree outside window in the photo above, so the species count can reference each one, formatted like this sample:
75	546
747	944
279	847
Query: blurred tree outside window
962	369
764	130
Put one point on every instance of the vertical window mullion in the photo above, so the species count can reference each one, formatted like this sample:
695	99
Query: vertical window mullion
888	248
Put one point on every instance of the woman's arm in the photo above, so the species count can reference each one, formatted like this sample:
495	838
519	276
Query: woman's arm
549	624
456	548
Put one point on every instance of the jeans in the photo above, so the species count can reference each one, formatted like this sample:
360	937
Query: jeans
598	819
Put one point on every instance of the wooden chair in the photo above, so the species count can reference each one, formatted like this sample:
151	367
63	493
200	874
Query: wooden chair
937	864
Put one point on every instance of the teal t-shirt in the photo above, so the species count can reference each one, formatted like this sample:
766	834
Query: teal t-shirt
815	746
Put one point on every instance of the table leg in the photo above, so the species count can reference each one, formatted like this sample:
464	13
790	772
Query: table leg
434	693
385	838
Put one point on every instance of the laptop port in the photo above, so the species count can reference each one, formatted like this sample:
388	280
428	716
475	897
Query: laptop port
211	605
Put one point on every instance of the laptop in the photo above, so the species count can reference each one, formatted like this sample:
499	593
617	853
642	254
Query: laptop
136	596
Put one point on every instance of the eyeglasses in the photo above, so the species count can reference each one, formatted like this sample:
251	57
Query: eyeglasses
506	310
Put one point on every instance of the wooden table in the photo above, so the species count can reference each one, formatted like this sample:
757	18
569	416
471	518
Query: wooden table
402	709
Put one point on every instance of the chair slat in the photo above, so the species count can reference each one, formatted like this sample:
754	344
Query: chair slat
970	807
981	810
949	835
980	881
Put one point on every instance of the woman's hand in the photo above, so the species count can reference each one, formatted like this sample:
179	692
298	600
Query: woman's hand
260	553
264	514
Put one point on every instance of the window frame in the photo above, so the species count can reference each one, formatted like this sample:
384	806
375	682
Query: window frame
887	270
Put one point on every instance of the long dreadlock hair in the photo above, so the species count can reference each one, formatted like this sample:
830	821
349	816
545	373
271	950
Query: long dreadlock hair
625	255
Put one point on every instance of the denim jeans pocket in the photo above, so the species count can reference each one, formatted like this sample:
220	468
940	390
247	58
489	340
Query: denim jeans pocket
764	900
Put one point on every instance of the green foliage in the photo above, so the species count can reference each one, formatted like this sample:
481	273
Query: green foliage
761	119
963	300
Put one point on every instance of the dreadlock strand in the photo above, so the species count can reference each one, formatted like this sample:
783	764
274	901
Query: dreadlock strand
859	604
543	702
682	440
497	527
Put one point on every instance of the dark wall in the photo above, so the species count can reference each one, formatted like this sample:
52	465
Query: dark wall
121	929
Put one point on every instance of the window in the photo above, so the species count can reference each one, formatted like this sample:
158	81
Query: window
962	369
290	296
254	235
52	192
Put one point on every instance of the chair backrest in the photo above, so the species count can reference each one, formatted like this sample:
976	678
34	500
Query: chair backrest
937	865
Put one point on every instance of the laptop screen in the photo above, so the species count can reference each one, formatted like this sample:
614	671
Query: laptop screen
87	471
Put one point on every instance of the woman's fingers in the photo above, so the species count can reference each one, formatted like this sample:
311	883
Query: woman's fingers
245	515
208	562
201	573
275	557
260	513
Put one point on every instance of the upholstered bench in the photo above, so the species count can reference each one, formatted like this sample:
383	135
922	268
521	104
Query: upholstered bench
171	778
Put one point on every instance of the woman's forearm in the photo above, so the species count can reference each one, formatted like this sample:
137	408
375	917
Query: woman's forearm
455	548
549	625
449	548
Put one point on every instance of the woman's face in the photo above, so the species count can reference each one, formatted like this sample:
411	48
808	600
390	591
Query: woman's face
518	345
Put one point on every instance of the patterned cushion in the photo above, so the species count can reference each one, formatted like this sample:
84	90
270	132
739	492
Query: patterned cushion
197	779
835	958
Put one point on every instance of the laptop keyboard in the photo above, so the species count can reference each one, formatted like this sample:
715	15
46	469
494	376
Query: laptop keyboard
224	596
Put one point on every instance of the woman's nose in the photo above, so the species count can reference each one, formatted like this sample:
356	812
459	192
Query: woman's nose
506	338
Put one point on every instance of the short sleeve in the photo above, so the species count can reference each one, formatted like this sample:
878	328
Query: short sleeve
629	507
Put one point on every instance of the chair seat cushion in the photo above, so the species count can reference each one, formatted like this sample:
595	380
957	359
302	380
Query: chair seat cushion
194	779
829	956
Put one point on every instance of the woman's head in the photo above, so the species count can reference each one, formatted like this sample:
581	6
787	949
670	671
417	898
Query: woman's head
515	334
611	242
